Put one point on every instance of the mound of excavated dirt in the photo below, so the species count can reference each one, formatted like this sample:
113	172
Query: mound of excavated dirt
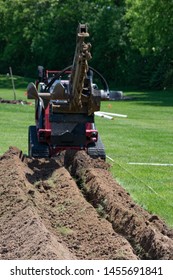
6	101
71	208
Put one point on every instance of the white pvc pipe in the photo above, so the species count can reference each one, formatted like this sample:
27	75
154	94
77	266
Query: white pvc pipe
103	115
113	114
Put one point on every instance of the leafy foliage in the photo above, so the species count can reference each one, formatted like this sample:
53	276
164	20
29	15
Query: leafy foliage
131	40
151	25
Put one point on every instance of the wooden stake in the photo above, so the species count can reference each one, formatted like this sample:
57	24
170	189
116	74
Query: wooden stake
12	80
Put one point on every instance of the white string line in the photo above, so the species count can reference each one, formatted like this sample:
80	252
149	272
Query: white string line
151	163
144	184
110	158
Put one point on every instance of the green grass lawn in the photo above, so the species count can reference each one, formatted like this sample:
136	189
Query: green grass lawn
145	136
14	119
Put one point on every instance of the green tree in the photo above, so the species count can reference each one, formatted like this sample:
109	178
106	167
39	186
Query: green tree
44	32
151	25
109	42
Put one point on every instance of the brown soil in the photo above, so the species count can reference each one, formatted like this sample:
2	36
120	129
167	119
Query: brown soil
14	101
70	207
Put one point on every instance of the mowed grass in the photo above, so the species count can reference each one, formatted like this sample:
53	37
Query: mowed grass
14	119
145	136
14	122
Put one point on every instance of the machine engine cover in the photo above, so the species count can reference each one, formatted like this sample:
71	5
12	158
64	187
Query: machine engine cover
68	134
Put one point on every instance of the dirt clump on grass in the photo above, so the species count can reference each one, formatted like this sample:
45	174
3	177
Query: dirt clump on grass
8	101
70	207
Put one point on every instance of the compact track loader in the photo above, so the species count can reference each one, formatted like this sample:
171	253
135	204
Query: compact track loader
64	109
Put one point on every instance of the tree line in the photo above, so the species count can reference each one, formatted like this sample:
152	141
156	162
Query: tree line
131	40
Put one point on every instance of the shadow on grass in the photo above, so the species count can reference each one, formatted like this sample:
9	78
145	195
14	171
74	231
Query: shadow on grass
154	98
